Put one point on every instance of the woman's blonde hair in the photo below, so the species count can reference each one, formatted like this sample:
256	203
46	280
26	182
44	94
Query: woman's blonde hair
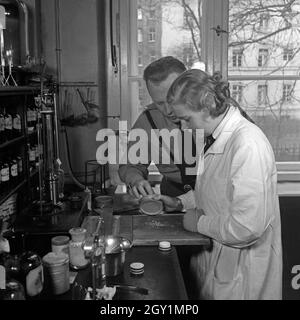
198	90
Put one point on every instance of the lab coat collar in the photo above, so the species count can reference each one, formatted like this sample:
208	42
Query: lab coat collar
224	131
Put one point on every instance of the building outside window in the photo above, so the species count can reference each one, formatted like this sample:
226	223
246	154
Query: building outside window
263	57
140	58
237	57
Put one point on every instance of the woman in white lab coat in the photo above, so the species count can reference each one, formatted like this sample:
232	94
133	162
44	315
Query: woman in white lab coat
235	201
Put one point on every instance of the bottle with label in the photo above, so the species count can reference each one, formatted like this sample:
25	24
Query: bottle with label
20	167
30	120
32	275
2	128
4	176
13	165
31	156
78	260
17	126
8	126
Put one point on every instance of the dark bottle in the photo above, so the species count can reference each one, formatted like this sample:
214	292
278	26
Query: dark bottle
13	291
20	167
17	126
31	275
8	126
2	128
4	176
13	171
30	127
31	156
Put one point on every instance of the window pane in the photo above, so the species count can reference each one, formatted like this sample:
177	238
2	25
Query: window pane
167	28
268	32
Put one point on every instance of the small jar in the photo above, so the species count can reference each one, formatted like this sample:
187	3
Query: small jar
60	244
76	251
57	272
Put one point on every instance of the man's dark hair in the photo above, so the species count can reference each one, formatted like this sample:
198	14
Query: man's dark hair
160	69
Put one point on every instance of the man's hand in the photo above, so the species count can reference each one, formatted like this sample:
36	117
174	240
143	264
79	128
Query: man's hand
171	204
141	188
191	218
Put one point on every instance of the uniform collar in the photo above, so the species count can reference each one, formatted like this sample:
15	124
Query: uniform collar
224	131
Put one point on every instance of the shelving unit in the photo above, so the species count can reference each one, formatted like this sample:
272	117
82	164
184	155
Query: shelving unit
17	99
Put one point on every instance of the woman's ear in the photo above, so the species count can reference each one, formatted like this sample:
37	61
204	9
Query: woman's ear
209	103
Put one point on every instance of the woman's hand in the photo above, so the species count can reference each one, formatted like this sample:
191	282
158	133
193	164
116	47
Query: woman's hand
171	204
191	218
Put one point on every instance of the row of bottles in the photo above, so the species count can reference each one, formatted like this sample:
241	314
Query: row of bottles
21	272
11	172
10	126
11	123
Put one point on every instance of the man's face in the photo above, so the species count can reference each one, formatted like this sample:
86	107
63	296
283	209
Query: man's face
158	92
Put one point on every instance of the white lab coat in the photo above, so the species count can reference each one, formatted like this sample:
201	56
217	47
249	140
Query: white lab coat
238	194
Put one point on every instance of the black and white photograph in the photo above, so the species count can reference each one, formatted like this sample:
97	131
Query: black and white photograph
149	154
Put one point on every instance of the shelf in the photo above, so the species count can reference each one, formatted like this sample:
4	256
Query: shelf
13	191
11	142
10	91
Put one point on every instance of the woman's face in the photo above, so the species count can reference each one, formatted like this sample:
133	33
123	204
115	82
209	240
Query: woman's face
189	118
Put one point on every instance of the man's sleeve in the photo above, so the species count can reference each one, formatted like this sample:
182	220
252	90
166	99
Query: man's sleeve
131	173
253	192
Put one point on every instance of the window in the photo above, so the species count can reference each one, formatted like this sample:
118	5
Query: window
262	94
140	14
263	57
140	59
264	21
261	91
153	56
140	35
152	34
287	93
237	92
288	54
152	14
237	56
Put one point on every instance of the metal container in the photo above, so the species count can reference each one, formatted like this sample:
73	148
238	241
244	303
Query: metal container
115	252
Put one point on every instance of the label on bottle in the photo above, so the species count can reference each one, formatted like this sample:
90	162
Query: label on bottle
35	281
17	123
32	155
5	174
14	170
2	278
8	122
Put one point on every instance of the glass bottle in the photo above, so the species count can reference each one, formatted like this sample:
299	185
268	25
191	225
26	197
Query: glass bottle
8	126
32	275
17	126
4	176
13	165
76	251
13	291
